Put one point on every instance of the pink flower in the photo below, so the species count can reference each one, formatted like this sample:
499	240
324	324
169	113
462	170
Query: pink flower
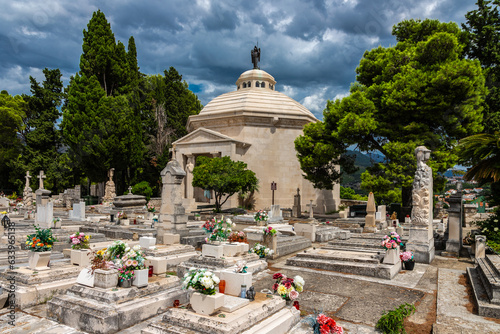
322	319
75	241
294	294
82	234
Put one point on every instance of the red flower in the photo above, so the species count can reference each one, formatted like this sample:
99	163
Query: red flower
275	286
277	276
288	285
324	329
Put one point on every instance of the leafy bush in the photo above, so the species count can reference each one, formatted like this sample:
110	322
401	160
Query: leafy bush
392	322
491	229
349	193
143	188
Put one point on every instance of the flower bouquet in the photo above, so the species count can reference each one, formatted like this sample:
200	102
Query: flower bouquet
41	241
132	259
125	275
121	215
241	267
269	231
288	288
408	260
117	250
100	260
323	324
209	225
237	237
221	230
151	207
392	241
79	241
201	280
260	250
260	216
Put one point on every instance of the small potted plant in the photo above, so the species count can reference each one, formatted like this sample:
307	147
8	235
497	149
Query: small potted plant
209	225
80	249
408	260
125	277
205	300
40	246
261	251
288	288
238	237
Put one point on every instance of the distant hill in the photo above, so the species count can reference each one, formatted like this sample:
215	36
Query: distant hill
363	160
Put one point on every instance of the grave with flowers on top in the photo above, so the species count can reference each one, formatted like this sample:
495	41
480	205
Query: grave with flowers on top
117	291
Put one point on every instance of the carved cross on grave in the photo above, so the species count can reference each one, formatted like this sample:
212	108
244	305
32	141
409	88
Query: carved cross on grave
41	176
130	190
28	177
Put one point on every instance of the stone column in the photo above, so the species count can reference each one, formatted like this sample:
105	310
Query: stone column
172	214
296	209
454	242
421	241
370	226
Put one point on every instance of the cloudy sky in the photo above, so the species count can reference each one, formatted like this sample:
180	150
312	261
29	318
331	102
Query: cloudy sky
310	47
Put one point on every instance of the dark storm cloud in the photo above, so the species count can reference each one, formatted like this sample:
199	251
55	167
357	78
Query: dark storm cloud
311	47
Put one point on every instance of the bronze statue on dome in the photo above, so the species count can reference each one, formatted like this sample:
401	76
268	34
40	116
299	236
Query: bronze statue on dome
256	58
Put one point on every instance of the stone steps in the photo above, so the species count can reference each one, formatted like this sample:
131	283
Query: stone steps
362	257
490	277
288	245
369	269
484	307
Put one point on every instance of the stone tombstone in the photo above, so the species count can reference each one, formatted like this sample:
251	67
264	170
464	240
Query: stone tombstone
110	189
173	216
480	246
296	209
311	209
41	176
42	196
79	211
382	209
44	215
421	241
275	214
28	193
370	226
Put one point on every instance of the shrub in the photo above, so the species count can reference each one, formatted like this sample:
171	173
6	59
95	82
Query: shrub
392	322
143	188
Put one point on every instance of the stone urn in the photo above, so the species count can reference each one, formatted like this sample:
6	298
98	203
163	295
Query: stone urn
392	256
105	278
80	257
206	304
39	260
140	278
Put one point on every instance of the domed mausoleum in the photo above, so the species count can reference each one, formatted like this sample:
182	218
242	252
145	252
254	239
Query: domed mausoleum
257	125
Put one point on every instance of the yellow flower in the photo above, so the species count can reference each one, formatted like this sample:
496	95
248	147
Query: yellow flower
281	290
49	246
299	288
87	237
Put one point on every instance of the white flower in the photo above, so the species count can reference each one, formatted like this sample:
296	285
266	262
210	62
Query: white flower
299	280
127	249
207	273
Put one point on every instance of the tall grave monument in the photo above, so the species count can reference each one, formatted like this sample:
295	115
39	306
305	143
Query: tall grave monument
421	241
110	191
28	193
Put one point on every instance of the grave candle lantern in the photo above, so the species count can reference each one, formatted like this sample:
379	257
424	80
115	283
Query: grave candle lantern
222	286
150	272
296	304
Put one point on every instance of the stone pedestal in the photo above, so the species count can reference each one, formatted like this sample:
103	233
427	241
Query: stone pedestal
147	242
80	257
216	251
39	260
306	230
392	256
454	242
421	243
206	304
159	264
44	215
105	278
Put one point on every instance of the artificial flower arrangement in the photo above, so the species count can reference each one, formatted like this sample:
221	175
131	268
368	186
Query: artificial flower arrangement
132	259
201	280
121	215
260	250
151	207
56	220
116	250
392	241
221	230
125	274
209	225
100	260
237	237
323	324
79	241
41	241
406	256
269	231
288	288
261	216
241	267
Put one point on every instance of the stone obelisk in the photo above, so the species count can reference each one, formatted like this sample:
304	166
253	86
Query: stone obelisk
370	226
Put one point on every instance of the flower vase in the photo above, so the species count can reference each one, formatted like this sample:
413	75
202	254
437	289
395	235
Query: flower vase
105	279
289	302
140	278
127	283
206	304
392	256
409	265
80	257
39	260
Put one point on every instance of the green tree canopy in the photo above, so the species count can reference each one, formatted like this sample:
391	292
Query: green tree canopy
224	177
483	32
12	112
419	92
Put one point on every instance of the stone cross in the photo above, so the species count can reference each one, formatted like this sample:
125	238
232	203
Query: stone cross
130	190
28	177
41	176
